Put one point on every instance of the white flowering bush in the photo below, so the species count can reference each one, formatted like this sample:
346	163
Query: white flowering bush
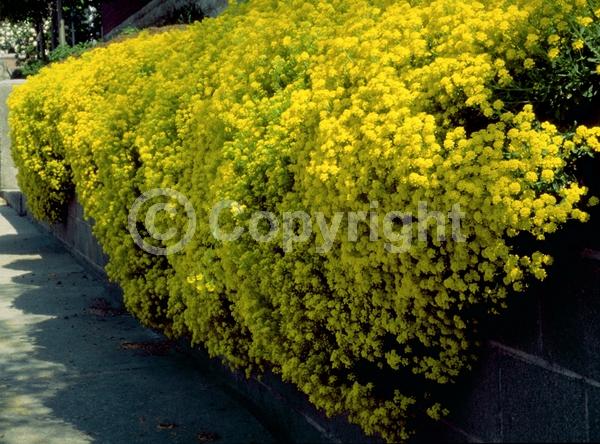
18	38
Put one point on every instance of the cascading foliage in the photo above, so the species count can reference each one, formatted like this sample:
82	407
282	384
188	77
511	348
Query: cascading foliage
327	106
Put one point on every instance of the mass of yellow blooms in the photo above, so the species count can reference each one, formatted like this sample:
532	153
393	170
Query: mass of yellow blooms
321	106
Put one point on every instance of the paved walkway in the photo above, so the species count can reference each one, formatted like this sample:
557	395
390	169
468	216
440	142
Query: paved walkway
75	370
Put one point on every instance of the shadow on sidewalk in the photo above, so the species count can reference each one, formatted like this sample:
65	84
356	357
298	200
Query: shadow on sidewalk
73	369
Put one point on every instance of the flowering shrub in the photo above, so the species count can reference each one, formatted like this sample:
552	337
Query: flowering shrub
322	106
18	38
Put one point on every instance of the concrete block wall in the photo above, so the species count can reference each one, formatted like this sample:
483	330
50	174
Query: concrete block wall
76	233
538	376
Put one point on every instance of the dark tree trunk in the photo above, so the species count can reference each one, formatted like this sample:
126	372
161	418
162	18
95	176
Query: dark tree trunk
53	29
41	38
60	22
73	38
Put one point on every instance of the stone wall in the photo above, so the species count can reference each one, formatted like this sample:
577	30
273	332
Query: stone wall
8	63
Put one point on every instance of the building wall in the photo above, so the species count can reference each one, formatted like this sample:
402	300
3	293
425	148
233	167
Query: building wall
115	12
144	13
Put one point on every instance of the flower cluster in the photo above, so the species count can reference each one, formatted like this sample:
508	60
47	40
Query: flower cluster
321	106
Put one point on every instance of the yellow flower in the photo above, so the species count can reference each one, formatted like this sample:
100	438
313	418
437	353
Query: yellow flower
528	63
531	176
547	175
514	188
578	44
553	53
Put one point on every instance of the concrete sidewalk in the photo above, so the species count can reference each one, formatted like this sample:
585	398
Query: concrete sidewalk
73	369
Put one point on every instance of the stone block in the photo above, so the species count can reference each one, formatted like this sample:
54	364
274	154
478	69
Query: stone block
540	405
